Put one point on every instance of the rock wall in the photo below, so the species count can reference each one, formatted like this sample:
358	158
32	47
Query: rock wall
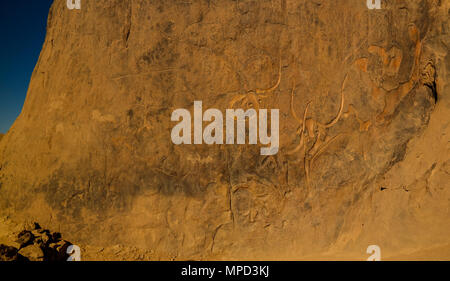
364	129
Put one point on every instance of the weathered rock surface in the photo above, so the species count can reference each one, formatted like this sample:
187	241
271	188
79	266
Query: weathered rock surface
91	153
9	253
33	252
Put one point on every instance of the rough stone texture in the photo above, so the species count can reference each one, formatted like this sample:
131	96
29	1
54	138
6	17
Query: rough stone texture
8	253
33	252
91	153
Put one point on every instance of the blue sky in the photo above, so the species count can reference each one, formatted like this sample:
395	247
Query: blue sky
22	33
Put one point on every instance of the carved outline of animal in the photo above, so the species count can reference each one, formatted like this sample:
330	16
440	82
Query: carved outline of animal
393	97
251	97
312	130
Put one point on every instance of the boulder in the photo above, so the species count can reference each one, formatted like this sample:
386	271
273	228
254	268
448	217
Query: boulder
25	238
32	252
8	253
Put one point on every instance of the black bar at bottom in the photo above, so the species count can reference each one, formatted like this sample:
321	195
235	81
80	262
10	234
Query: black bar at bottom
227	270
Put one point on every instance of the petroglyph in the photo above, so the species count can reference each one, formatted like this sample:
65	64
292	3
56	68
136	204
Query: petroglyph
391	61
314	139
252	98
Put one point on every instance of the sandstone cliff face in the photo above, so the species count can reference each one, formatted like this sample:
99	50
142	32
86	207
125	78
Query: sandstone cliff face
91	154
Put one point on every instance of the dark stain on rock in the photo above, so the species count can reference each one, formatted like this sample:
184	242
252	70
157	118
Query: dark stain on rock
163	54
